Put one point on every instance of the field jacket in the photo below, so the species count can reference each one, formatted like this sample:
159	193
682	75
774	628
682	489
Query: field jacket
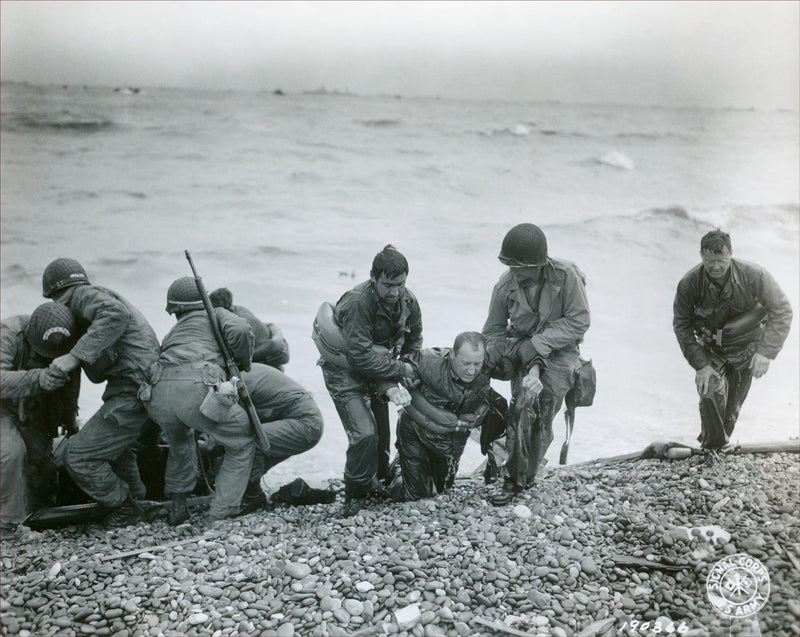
118	342
20	392
366	321
442	388
192	340
700	303
560	320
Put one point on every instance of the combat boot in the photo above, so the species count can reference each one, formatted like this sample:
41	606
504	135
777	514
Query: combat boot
254	498
129	512
354	495
179	509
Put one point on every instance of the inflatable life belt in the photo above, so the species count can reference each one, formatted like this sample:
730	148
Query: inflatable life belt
330	340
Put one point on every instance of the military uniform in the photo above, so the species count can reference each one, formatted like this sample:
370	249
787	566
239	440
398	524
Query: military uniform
553	316
118	347
429	459
701	308
358	393
190	363
29	420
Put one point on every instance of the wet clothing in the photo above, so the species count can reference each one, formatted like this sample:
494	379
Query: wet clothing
29	420
290	418
118	347
553	316
358	393
190	364
701	308
429	460
270	347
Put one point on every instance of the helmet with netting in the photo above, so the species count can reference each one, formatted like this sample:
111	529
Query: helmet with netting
183	295
524	244
51	330
61	274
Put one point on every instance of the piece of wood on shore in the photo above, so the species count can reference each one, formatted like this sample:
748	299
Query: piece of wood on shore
160	547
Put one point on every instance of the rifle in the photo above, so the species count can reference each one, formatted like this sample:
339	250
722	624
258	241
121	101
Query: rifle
230	363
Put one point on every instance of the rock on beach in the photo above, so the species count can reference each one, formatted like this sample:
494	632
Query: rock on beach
548	565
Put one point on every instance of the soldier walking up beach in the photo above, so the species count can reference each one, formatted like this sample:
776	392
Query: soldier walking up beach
731	319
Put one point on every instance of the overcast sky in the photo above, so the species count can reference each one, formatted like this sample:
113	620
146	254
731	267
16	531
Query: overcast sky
675	53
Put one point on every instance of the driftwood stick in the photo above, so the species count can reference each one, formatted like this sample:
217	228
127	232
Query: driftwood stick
502	627
159	547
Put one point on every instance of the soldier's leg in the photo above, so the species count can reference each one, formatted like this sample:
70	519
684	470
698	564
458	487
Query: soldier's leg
13	507
361	464
712	412
415	466
557	381
380	409
739	382
288	437
109	433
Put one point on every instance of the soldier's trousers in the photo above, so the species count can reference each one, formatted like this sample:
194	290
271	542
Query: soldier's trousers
365	418
529	431
721	404
101	457
174	403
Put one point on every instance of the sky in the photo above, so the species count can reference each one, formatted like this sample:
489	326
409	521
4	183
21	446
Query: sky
684	53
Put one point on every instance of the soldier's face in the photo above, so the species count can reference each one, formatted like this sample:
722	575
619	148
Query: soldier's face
390	289
468	362
716	264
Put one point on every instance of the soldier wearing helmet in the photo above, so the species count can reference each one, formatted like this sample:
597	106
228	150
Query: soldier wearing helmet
538	315
117	346
184	398
37	398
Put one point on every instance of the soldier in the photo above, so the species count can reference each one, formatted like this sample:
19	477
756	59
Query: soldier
381	323
182	400
117	347
731	319
37	398
271	347
451	397
290	419
538	315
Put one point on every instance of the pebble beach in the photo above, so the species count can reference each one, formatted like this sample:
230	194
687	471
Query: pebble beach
561	560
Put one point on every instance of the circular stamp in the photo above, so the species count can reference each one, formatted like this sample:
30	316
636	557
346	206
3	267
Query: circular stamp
738	585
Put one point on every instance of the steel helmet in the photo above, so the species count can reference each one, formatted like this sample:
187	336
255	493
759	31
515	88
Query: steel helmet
60	274
51	330
183	296
524	244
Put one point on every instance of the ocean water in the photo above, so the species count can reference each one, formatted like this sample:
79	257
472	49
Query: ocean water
286	199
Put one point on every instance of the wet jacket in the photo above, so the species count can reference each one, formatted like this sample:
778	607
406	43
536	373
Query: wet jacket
700	303
365	321
191	340
270	346
118	342
442	388
20	392
559	322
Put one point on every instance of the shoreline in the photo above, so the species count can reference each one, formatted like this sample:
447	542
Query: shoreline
451	565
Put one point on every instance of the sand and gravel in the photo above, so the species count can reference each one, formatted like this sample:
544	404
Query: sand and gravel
552	563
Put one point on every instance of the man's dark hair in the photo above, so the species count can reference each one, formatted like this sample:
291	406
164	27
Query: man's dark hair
221	297
715	241
474	339
389	262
